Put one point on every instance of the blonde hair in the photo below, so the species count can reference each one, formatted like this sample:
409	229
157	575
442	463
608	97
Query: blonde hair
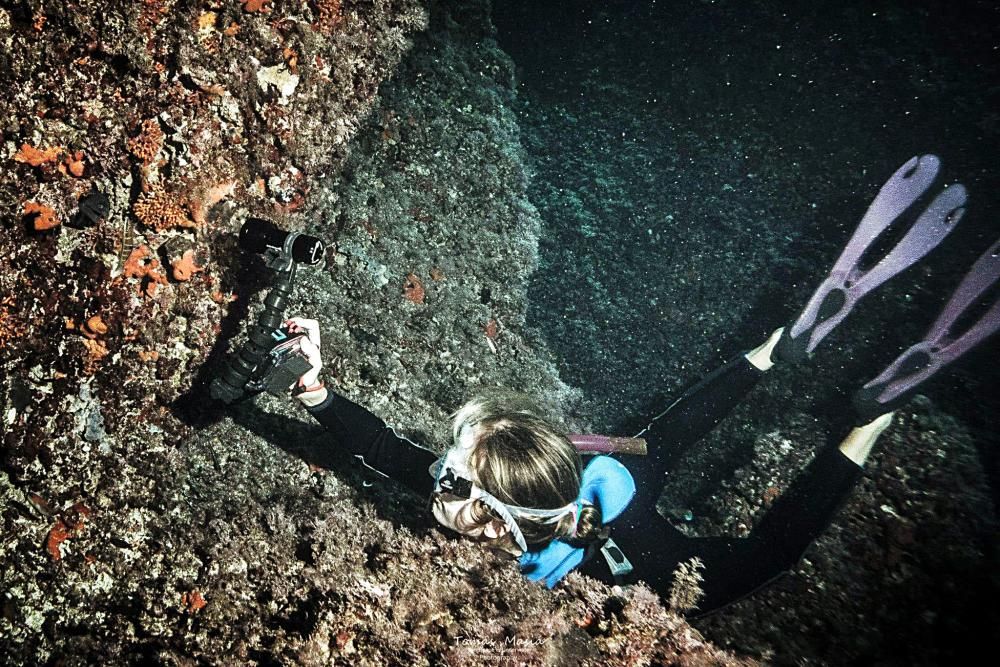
522	459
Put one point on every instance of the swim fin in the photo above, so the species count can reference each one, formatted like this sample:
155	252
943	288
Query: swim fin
941	346
847	283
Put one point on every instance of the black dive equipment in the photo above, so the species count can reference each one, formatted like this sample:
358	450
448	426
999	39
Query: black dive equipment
270	360
263	236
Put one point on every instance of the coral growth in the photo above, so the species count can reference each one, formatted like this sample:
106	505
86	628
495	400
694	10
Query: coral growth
199	206
184	267
35	157
686	588
72	161
631	626
490	329
96	350
146	145
69	525
413	289
94	327
160	211
57	535
329	14
140	264
10	327
193	602
256	6
74	164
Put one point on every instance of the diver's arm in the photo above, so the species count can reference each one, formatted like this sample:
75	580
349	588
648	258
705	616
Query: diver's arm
374	443
356	429
312	396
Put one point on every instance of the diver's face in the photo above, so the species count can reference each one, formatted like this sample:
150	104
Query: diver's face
456	514
455	511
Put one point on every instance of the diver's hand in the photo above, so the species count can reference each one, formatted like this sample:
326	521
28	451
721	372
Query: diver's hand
310	346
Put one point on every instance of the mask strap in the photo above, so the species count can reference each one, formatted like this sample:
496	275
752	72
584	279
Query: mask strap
576	518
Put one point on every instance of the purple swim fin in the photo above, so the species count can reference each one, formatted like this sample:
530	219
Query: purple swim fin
847	283
941	346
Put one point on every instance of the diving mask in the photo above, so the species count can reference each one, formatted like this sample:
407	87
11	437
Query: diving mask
453	476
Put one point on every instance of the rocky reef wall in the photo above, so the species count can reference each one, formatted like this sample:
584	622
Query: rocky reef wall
179	114
142	524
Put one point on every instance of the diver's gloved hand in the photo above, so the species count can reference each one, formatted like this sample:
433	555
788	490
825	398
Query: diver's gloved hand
310	346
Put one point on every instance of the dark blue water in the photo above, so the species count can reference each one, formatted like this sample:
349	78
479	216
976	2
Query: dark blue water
698	166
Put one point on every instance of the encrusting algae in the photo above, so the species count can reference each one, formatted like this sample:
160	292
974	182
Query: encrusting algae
185	267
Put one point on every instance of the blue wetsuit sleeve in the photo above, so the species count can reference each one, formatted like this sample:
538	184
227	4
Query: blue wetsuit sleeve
375	444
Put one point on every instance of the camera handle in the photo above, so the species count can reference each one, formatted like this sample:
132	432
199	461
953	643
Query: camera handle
230	385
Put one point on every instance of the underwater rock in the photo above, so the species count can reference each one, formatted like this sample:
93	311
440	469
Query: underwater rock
89	419
194	534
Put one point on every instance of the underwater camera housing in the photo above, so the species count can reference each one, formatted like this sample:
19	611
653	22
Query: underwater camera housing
270	360
283	365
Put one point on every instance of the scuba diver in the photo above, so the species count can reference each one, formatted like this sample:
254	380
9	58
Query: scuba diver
516	482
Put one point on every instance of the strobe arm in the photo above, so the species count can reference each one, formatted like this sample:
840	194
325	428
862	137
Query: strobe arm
231	382
282	251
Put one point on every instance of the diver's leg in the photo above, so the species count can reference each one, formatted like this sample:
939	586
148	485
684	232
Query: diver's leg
697	411
736	567
859	442
761	356
803	510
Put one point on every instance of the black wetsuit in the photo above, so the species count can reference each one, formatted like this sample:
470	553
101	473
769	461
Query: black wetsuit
734	567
